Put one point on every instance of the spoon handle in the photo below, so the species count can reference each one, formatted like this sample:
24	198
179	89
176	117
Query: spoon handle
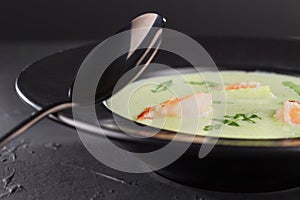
33	119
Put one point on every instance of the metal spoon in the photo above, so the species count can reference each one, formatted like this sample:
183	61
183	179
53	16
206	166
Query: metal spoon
134	57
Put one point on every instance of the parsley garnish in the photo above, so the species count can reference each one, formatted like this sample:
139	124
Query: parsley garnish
293	86
233	120
208	83
211	127
163	86
244	117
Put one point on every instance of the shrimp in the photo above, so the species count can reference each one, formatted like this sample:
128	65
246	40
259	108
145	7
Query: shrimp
242	85
191	106
289	113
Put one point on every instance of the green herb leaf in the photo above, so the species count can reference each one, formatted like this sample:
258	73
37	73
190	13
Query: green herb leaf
244	117
233	120
293	86
227	121
249	120
239	116
208	83
233	123
211	127
255	116
162	87
208	128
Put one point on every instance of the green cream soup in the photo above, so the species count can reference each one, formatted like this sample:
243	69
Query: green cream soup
243	113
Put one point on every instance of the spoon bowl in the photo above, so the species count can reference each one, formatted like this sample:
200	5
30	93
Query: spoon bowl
134	58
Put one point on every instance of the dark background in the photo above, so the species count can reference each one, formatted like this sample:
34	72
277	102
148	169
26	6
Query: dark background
97	19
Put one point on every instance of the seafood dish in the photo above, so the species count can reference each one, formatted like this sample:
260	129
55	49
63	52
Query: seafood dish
245	105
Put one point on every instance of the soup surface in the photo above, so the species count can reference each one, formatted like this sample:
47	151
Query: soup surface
245	113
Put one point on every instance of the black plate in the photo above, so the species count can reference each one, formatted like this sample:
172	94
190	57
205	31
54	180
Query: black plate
234	164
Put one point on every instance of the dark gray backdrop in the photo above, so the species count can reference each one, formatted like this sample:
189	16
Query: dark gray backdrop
97	19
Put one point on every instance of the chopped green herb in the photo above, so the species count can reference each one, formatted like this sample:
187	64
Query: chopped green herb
233	123
208	128
239	116
255	116
293	86
232	120
208	83
217	102
163	86
211	127
244	117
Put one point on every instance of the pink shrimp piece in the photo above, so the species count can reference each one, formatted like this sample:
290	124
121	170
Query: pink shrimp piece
242	85
289	113
191	106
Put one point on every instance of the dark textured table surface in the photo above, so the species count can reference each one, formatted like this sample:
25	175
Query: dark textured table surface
49	161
